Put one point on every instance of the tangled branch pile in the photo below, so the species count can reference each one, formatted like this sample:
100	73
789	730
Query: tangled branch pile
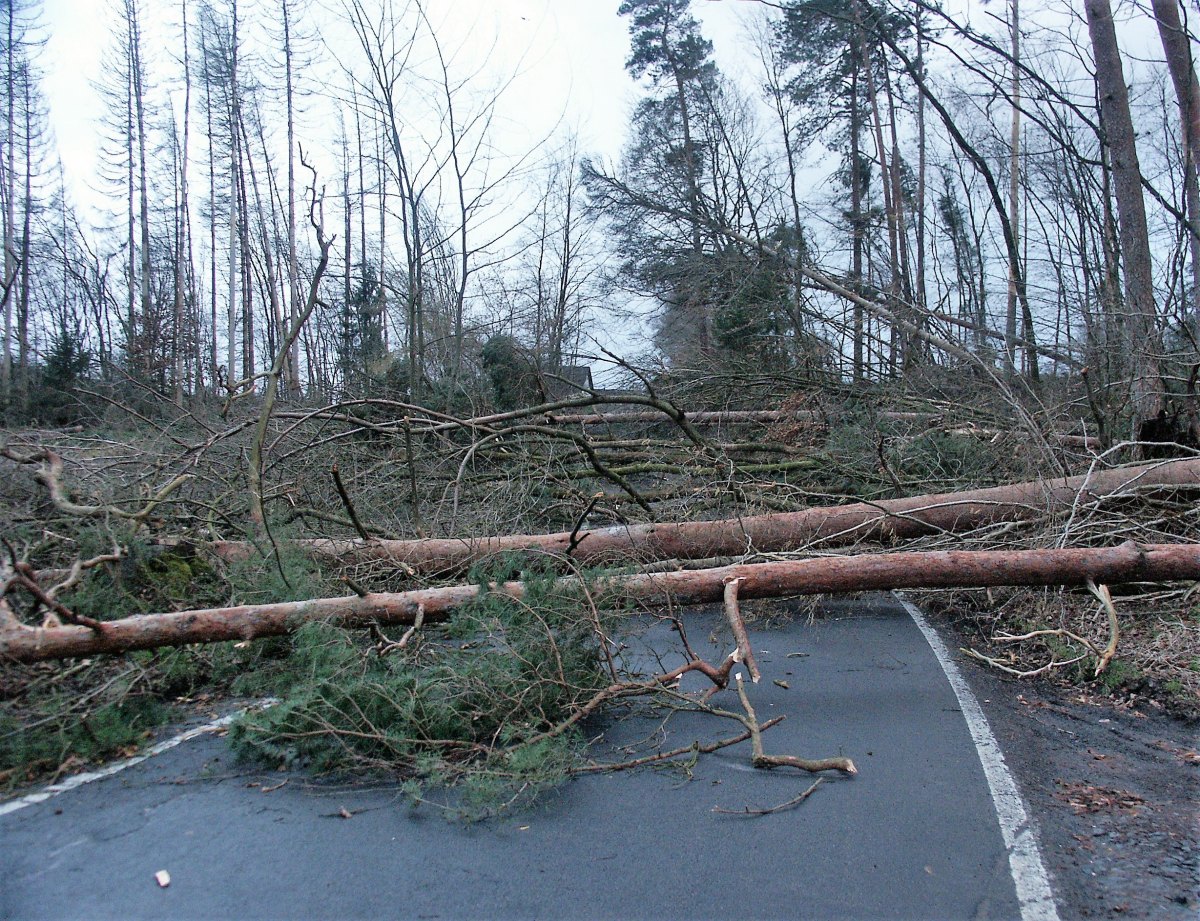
481	698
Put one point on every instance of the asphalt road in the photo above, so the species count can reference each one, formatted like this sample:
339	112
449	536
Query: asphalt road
914	835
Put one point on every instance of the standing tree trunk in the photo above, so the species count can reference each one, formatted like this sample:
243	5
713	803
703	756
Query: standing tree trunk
293	262
234	206
1014	189
1142	342
213	372
920	292
183	231
1178	50
10	198
23	306
858	237
137	87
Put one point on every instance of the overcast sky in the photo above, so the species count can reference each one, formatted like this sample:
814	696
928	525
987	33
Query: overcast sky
569	54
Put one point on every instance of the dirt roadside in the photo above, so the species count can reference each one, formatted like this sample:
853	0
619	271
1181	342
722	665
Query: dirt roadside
1114	787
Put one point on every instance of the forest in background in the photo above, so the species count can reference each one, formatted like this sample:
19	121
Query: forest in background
897	189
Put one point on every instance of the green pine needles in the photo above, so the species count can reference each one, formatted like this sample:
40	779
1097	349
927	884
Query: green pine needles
474	707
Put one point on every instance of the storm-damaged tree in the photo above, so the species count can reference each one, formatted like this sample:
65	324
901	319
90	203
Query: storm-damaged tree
691	171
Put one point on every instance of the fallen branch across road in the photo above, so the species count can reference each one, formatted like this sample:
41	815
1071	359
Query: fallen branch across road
830	526
1128	562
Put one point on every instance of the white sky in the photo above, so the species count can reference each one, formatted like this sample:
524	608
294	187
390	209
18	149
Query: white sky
570	55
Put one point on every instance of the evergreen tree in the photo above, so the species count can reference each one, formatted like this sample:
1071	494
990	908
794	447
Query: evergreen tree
361	351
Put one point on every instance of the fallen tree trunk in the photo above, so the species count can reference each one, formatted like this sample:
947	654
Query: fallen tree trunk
1088	442
717	417
829	526
740	416
822	575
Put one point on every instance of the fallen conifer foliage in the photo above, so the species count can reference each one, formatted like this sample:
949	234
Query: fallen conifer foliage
828	526
1129	562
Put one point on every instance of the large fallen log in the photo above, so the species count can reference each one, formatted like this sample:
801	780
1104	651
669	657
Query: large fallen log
828	526
715	417
822	575
811	417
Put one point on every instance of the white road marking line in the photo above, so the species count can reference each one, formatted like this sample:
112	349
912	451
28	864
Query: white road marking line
79	780
1024	859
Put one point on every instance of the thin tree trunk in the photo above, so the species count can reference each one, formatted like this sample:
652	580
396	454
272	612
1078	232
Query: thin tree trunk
23	302
922	298
293	262
249	363
10	206
235	244
137	83
856	221
1014	188
182	234
213	370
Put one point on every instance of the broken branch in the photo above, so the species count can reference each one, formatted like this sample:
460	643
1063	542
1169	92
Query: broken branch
734	615
762	760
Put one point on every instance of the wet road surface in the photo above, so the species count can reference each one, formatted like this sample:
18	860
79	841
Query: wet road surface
914	835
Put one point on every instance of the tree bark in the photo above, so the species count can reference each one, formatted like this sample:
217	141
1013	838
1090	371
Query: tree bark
1179	57
1141	320
941	569
885	521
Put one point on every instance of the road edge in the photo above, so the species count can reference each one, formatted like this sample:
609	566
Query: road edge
78	780
1024	857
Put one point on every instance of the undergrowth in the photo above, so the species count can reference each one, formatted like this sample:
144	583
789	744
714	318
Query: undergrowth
1156	650
56	717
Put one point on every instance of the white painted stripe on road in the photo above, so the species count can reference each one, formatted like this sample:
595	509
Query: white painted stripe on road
79	780
1024	858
